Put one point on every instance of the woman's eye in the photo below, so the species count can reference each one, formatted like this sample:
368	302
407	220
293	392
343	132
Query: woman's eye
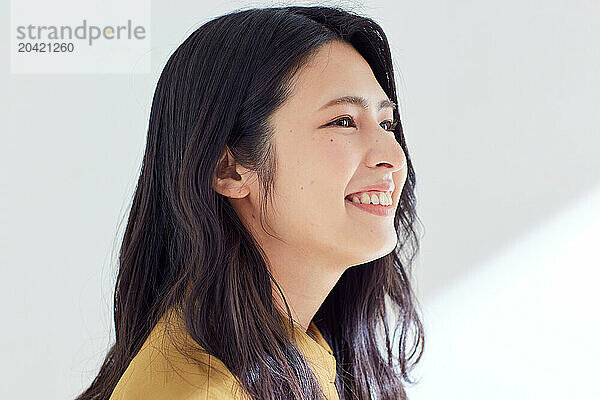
348	122
392	124
348	119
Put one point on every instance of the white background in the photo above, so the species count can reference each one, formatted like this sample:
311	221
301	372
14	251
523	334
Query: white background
500	104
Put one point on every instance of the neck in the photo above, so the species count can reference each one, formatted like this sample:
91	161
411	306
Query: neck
305	285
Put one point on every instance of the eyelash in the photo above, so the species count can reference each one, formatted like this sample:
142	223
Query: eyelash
392	126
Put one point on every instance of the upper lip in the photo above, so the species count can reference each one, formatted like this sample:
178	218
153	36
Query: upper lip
387	186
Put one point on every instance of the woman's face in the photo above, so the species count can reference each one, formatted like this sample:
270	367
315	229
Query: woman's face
326	152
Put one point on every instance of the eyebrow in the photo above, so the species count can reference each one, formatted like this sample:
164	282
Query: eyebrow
360	101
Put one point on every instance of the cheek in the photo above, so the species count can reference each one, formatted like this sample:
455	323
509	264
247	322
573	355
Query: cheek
318	168
333	164
311	164
322	163
337	156
399	178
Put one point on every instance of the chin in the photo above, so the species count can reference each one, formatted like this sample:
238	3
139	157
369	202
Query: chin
367	252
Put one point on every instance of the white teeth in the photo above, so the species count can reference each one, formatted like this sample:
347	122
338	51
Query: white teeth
385	199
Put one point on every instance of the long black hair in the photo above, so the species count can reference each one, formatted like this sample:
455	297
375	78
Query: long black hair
185	248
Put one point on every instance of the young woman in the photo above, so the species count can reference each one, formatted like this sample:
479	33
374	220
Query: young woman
268	249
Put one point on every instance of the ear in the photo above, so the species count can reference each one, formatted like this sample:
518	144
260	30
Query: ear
229	178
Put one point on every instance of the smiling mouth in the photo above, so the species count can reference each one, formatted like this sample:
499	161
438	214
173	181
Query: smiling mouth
383	199
376	209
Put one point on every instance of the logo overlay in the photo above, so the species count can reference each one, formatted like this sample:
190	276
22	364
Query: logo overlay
68	36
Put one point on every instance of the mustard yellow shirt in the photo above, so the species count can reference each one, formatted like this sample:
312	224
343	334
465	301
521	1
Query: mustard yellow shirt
159	372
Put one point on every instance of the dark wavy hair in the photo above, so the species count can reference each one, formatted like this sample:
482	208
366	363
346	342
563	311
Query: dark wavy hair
185	247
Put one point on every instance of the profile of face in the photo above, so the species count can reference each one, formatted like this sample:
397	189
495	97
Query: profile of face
325	153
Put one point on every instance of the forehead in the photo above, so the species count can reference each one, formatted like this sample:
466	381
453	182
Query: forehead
336	70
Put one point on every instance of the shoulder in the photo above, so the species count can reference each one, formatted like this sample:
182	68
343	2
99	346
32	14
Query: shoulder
158	371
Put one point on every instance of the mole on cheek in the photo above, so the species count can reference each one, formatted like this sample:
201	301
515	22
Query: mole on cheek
331	140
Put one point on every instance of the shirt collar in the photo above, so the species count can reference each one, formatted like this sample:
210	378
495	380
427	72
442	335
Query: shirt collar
313	346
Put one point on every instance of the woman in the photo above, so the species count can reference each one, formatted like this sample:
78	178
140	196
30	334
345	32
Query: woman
272	230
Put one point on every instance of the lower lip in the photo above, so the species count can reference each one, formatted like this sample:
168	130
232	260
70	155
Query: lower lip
374	208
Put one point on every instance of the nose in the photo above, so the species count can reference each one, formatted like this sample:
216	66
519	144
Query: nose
383	148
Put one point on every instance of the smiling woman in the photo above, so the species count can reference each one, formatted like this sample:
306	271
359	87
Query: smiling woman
269	245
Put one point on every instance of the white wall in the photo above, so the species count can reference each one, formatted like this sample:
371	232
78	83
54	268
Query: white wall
523	324
500	106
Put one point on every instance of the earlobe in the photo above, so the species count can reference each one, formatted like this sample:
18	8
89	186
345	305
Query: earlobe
226	179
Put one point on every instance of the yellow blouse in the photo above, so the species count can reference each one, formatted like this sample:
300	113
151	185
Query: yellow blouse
159	372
